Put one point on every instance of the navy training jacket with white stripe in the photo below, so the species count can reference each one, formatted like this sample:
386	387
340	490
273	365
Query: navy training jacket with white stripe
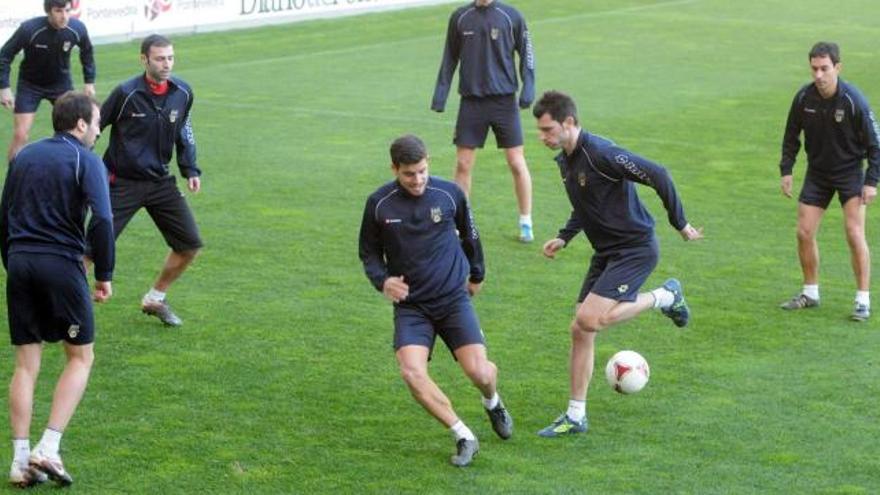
47	50
430	240
147	129
50	187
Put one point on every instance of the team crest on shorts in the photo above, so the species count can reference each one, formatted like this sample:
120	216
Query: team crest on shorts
838	115
494	33
73	331
172	117
623	288
436	214
582	179
66	46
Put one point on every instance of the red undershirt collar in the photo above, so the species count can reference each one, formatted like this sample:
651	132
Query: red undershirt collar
157	89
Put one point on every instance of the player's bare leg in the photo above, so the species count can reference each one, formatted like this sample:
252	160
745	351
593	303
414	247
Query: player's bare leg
413	364
464	165
21	388
68	392
522	183
809	219
71	385
175	264
154	302
484	375
854	222
21	128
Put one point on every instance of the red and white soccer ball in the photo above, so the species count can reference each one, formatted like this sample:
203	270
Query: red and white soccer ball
627	372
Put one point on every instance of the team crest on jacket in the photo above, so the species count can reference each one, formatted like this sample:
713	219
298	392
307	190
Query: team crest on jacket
172	117
436	214
494	33
582	179
66	46
838	115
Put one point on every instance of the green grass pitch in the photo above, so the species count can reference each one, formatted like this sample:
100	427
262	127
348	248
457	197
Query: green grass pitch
282	379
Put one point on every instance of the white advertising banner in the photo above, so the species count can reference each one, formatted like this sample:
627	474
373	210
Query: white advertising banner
114	20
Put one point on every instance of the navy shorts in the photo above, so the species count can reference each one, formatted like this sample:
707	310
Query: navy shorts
818	190
619	274
454	321
48	299
164	203
28	96
477	114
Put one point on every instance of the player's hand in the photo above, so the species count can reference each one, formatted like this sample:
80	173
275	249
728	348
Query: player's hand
868	194
89	89
103	291
552	246
786	185
194	184
689	233
395	289
6	98
473	288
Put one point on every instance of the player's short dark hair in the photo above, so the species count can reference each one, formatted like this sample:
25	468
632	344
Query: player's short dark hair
69	108
153	40
51	4
558	104
826	49
408	150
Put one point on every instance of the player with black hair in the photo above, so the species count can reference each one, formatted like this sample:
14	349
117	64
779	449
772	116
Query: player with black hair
600	178
420	248
840	133
150	119
44	72
50	187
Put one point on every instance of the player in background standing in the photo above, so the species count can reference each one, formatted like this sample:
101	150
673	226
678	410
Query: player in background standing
421	249
599	178
50	186
483	37
150	118
840	131
44	72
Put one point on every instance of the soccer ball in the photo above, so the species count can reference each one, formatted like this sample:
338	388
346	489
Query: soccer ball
627	372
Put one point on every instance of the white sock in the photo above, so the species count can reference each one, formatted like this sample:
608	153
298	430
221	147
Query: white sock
21	450
662	297
863	297
154	295
525	220
491	403
811	291
50	442
460	430
577	409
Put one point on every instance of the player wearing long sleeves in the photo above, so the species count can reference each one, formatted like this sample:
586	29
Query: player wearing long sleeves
148	128
599	178
44	72
150	120
840	133
484	38
51	187
415	237
420	248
